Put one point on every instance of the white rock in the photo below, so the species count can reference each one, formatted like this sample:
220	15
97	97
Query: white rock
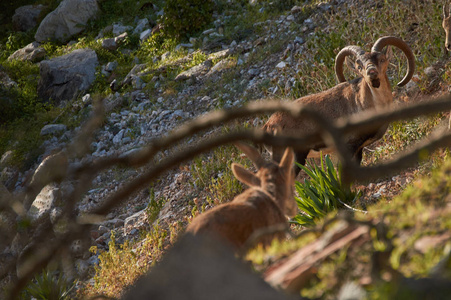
208	31
281	65
86	99
145	35
43	202
118	137
141	26
119	29
111	66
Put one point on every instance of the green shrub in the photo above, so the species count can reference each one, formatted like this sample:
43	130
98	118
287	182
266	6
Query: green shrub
182	18
322	193
154	207
48	286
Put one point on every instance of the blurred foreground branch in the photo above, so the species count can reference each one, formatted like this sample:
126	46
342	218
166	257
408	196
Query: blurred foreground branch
76	164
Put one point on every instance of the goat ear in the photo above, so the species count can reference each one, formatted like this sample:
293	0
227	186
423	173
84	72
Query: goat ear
388	53
350	63
245	176
287	160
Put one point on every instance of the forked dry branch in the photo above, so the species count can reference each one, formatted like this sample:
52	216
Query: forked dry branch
42	245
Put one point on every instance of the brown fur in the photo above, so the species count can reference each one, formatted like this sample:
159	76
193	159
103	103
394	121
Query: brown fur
264	204
370	91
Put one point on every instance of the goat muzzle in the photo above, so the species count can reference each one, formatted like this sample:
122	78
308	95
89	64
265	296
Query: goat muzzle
372	73
376	83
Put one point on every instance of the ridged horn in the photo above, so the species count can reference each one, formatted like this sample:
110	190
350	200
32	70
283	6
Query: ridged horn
397	42
340	58
446	10
251	153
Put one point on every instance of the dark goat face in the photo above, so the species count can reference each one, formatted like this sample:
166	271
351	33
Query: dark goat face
371	66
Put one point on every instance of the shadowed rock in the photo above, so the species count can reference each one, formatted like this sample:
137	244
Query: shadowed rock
68	19
202	269
66	77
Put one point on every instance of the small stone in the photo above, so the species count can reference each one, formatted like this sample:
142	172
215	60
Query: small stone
103	229
109	44
111	66
142	24
208	31
145	35
165	55
376	195
6	159
120	38
281	65
119	29
53	129
299	40
253	72
118	137
86	99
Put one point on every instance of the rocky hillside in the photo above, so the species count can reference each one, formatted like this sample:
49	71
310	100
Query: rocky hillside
149	70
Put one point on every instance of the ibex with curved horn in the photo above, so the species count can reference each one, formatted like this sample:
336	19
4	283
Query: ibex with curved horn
266	203
371	90
446	24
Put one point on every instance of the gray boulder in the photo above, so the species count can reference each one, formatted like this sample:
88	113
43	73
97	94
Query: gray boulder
68	19
67	76
195	71
32	52
47	199
5	80
26	17
53	129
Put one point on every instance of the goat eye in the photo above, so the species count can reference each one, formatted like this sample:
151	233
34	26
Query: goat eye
359	68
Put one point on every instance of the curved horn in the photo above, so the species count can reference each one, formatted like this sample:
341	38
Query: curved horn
251	153
340	58
397	42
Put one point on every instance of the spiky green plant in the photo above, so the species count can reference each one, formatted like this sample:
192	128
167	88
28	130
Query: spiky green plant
322	193
47	285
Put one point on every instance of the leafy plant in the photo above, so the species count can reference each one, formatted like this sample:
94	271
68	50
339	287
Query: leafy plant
322	193
182	18
154	207
49	286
